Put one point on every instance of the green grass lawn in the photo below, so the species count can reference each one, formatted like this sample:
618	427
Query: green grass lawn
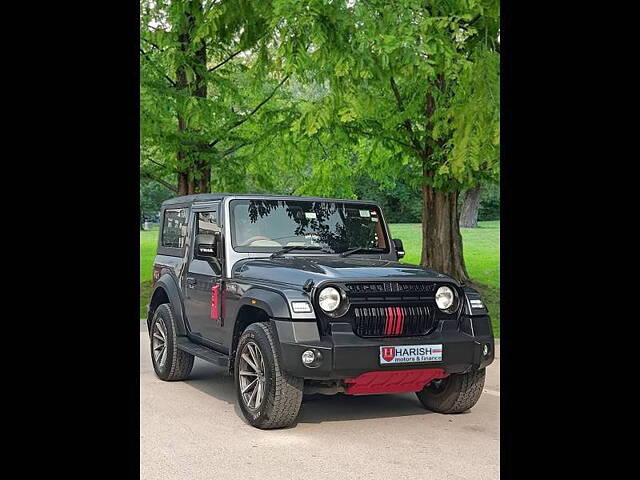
481	248
481	253
148	245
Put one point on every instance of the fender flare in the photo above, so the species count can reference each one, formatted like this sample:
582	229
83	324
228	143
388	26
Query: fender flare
168	284
472	294
273	303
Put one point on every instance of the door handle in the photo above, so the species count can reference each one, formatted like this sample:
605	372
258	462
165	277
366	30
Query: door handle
191	282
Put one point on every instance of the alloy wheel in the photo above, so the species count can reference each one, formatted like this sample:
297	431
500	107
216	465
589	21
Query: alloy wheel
159	343
251	376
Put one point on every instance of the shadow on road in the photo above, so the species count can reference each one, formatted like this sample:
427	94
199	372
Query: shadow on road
340	407
213	381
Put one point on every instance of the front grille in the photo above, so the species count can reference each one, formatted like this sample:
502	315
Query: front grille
368	287
392	321
418	287
390	289
389	308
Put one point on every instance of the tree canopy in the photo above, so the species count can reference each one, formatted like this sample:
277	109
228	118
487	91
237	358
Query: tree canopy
313	97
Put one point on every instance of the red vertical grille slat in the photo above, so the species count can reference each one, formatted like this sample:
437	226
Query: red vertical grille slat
400	317
389	321
392	308
395	321
392	321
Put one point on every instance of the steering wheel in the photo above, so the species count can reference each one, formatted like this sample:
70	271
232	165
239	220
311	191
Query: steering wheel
249	241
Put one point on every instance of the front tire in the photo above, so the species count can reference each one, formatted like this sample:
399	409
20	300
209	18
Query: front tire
268	397
456	393
169	363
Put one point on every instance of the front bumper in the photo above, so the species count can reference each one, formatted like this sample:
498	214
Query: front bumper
346	355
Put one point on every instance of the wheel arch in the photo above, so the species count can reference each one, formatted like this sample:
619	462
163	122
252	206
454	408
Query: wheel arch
166	290
248	314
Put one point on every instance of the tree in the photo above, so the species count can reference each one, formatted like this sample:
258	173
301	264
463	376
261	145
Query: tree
305	97
470	207
490	202
152	194
400	201
203	79
481	202
414	87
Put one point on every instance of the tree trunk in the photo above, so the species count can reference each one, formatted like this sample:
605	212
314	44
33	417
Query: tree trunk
195	174
470	207
191	184
182	184
182	155
204	183
441	239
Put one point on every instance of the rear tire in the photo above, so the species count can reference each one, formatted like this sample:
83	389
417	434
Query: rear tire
169	363
456	393
273	399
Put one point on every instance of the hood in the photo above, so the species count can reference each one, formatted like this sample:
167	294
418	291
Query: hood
297	270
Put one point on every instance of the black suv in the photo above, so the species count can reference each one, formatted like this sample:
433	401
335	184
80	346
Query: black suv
301	295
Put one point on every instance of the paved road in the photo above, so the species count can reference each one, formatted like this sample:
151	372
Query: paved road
194	430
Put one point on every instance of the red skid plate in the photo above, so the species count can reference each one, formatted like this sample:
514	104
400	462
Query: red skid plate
392	381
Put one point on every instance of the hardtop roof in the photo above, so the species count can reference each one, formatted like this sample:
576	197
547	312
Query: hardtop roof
210	197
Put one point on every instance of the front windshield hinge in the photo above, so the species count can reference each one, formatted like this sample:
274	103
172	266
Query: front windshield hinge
308	285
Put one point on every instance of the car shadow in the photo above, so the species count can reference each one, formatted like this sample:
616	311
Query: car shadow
214	381
341	407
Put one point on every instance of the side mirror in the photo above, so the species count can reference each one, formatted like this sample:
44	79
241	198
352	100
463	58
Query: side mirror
206	246
399	248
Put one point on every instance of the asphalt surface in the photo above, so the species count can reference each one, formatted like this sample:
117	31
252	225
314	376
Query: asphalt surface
194	430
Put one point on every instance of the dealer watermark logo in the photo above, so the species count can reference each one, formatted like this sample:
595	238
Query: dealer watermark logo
410	354
388	353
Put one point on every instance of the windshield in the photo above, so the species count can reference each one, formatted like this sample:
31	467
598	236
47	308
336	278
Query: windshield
270	225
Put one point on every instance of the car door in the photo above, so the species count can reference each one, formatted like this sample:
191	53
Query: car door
203	283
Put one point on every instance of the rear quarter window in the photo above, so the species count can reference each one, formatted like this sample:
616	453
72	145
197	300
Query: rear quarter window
174	228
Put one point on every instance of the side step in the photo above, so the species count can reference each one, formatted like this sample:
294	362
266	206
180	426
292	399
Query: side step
203	352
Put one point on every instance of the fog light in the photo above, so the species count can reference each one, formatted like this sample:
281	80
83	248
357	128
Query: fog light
308	357
485	350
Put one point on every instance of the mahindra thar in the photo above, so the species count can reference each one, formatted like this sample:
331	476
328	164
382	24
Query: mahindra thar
301	295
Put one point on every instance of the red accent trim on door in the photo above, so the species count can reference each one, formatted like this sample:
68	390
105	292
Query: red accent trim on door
214	301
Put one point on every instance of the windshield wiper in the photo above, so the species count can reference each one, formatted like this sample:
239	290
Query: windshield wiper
288	248
361	249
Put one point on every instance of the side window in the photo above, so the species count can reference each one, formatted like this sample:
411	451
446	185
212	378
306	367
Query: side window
174	228
207	222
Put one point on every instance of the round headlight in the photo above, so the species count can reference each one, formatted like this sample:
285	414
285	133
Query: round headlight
329	299
444	298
